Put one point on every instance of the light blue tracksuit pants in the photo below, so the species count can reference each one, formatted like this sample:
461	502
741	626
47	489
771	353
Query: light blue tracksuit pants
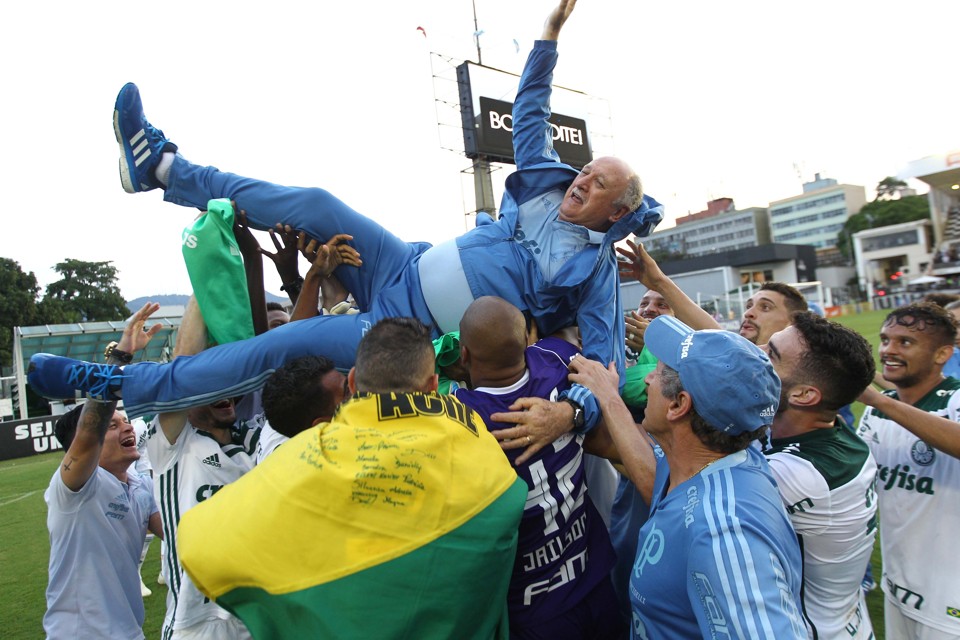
387	285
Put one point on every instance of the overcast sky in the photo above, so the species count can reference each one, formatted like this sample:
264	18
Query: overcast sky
707	100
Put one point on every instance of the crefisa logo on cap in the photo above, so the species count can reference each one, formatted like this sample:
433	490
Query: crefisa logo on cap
686	344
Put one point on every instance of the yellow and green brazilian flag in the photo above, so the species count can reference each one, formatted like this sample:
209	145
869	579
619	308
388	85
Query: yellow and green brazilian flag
398	519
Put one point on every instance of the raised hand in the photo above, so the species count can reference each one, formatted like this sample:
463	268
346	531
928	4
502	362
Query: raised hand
328	256
556	19
603	381
284	239
636	326
136	335
640	265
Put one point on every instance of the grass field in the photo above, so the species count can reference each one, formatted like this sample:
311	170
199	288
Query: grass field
25	548
868	325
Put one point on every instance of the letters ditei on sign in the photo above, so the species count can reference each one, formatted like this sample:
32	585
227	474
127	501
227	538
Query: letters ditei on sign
494	135
567	134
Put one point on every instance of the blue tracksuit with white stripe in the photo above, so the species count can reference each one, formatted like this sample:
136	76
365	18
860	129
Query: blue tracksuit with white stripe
584	292
718	557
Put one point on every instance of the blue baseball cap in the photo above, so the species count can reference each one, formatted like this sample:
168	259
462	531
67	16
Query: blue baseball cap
732	382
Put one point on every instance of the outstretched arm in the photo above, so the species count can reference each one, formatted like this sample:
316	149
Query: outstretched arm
83	456
253	269
532	134
286	259
631	441
940	433
191	339
645	269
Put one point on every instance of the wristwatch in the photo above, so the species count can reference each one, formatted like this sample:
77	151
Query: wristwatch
578	417
112	352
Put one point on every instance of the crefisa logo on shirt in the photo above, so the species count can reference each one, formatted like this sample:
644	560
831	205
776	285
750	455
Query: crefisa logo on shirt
692	501
901	478
922	453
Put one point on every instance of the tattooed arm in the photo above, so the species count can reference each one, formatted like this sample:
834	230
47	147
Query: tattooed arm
83	456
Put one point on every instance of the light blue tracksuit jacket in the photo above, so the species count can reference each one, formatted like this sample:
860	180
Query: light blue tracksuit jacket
584	292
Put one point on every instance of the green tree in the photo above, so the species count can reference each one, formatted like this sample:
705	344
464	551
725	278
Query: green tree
86	292
52	311
882	213
18	304
890	188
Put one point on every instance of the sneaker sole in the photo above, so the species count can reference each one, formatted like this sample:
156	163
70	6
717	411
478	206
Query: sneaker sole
126	156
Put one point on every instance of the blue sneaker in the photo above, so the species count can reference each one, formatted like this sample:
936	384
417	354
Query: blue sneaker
141	144
58	377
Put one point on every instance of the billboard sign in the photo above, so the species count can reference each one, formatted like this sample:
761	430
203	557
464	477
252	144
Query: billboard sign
488	122
495	139
22	438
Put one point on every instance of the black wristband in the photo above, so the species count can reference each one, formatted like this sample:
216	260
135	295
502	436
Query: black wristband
578	416
293	286
112	352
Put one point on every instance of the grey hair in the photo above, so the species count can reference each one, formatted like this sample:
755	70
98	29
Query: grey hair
632	196
670	384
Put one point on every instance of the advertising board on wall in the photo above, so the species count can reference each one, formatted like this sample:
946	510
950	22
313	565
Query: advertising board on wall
22	438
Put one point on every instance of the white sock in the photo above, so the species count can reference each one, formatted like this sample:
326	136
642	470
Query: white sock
162	172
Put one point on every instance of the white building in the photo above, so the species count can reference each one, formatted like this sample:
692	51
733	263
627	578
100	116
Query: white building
720	227
817	215
889	258
942	174
722	282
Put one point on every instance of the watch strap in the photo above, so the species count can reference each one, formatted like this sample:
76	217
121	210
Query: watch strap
117	354
578	416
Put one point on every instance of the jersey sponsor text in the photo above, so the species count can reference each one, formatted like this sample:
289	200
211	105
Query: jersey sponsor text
901	478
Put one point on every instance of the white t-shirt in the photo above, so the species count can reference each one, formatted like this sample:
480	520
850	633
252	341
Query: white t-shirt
269	440
826	481
141	466
186	473
96	535
918	489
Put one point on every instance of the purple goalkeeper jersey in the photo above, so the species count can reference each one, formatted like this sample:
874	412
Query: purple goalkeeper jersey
564	549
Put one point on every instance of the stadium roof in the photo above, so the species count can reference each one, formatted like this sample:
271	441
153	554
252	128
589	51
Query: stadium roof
84	341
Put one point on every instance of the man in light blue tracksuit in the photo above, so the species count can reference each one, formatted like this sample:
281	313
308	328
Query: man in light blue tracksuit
551	253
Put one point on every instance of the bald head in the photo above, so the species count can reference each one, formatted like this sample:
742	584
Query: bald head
493	335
